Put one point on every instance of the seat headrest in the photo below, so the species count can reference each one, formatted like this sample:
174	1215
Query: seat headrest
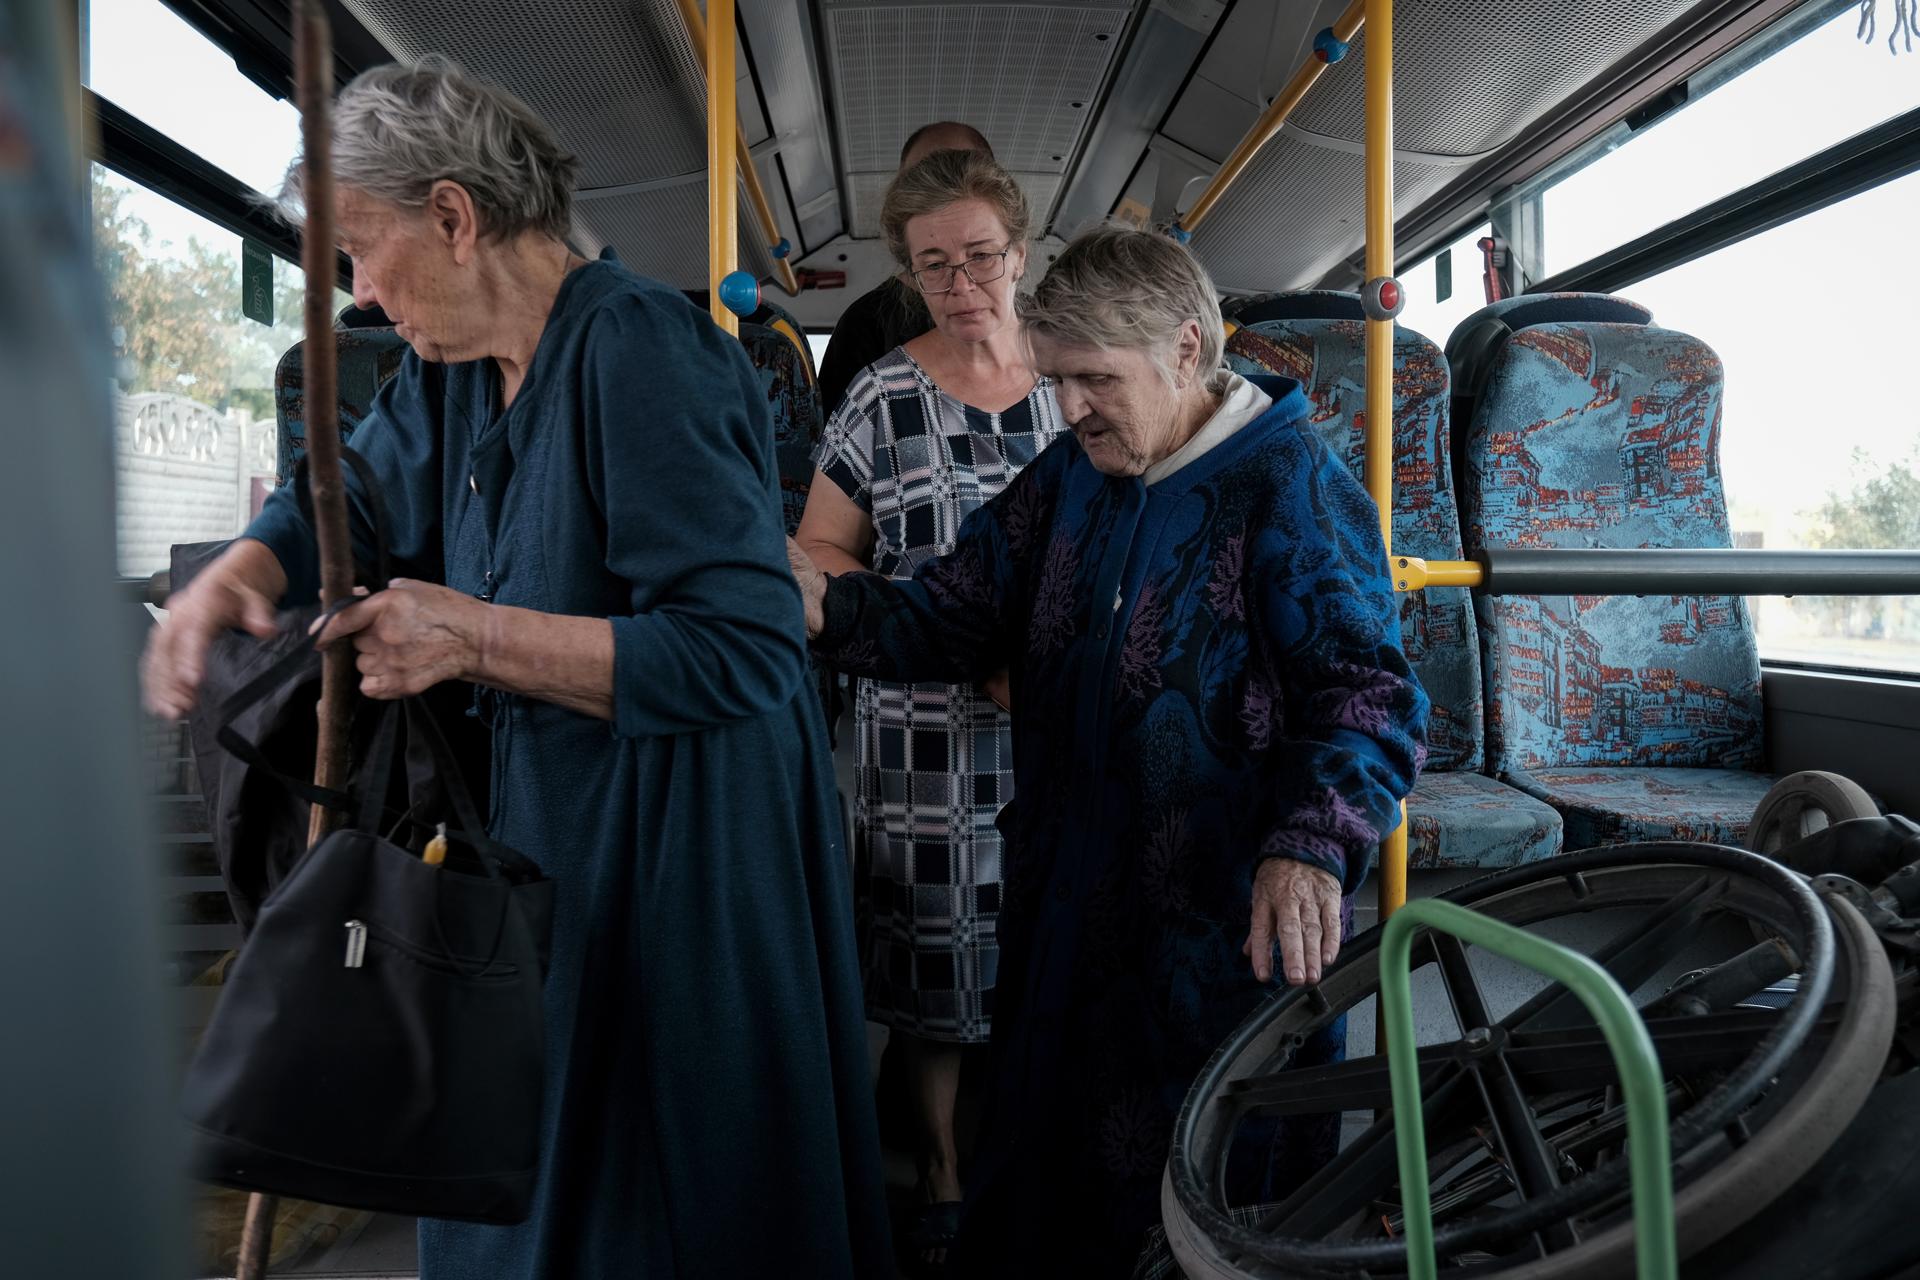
773	317
1477	341
1300	304
357	317
1529	309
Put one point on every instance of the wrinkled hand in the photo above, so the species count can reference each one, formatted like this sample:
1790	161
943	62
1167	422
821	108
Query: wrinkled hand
1300	905
411	637
176	656
999	687
813	587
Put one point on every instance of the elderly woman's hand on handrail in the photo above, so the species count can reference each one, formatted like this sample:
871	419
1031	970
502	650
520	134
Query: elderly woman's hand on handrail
1300	905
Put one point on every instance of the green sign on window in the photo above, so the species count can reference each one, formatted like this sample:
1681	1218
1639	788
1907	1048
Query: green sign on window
1443	276
256	282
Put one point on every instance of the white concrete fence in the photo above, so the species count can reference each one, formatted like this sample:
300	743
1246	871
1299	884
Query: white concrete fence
184	472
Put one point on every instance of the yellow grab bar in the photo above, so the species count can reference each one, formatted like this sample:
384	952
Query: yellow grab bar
1268	125
1411	573
1379	160
777	244
723	132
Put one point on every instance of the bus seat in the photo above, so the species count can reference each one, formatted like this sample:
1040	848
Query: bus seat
1478	338
1458	816
777	345
368	356
1637	718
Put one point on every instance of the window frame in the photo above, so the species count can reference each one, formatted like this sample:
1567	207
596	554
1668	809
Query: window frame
140	153
1871	158
1853	166
261	45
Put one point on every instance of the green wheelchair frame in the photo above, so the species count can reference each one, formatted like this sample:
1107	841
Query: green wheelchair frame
1627	1038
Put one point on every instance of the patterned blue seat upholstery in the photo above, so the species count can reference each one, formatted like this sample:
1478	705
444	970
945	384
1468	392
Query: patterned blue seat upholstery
778	347
1636	718
1457	817
368	354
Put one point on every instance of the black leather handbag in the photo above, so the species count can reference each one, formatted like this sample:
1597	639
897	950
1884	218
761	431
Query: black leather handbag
378	1043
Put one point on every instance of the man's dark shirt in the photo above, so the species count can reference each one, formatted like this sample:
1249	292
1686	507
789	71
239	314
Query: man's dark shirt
872	325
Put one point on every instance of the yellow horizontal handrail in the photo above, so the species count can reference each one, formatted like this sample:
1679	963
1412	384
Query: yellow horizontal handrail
1411	573
756	195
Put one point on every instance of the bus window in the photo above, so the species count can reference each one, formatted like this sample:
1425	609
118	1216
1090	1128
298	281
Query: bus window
194	434
194	421
1457	267
1771	113
1818	447
1821	439
146	60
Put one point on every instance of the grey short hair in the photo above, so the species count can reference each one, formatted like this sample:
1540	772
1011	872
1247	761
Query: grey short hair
943	178
398	130
1114	286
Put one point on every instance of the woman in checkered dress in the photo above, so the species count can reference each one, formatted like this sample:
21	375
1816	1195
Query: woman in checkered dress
927	434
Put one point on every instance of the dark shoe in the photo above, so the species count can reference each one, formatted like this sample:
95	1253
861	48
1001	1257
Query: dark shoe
935	1226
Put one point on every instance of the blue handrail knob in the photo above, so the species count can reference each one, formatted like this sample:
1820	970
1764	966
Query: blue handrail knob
784	248
740	293
1328	47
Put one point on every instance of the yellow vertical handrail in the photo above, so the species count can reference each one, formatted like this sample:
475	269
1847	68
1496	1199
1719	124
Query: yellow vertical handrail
1268	125
749	175
1379	164
723	211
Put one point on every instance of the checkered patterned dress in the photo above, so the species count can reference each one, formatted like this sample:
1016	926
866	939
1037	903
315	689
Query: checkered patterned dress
934	762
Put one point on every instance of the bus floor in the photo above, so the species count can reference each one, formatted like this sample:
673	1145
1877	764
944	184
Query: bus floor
383	1248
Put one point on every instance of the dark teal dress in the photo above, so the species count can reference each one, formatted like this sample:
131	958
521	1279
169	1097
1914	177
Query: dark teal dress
708	1105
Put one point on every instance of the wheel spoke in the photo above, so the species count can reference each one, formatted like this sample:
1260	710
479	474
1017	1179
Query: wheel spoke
1563	1061
1570	1061
1355	1178
1533	1164
1632	956
1463	989
1358	1084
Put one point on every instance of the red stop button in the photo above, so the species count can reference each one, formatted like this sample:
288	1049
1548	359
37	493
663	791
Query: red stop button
1389	295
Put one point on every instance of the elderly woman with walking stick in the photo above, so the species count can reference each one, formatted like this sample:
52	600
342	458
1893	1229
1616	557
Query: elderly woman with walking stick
584	501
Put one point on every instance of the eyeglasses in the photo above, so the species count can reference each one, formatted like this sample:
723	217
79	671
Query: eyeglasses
981	268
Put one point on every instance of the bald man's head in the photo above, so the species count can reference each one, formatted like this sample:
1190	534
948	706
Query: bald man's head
942	135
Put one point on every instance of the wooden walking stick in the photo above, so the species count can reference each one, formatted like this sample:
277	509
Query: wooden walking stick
313	62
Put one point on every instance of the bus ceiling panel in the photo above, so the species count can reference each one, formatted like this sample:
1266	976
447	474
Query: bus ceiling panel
660	230
1690	42
618	79
1026	73
1471	75
751	115
624	87
1159	59
1297	212
780	38
866	191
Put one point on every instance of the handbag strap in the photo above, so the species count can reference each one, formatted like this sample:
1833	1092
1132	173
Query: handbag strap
289	665
283	670
473	828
